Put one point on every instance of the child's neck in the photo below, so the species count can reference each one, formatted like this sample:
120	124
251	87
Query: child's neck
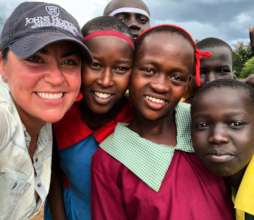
162	131
235	180
94	120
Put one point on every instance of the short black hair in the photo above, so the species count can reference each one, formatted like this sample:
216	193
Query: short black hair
220	83
213	42
123	3
105	23
4	53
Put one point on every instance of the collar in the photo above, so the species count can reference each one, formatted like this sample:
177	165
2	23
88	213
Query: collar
244	200
147	160
72	129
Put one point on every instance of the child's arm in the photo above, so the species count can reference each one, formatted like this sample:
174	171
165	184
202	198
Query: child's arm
55	196
107	203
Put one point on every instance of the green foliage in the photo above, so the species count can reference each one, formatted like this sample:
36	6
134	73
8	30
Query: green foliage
248	68
241	53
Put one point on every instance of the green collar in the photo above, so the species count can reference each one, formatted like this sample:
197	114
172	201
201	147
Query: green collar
147	160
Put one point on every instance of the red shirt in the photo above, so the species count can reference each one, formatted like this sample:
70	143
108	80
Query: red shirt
188	192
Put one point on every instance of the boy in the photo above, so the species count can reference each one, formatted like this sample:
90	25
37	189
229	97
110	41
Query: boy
40	65
222	135
220	64
134	13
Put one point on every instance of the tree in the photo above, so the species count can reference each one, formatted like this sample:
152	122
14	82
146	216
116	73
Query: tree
248	68
241	53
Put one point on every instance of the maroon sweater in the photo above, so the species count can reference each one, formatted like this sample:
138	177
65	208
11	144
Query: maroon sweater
188	192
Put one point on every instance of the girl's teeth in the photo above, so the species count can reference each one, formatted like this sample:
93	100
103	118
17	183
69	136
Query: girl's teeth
102	95
46	95
152	99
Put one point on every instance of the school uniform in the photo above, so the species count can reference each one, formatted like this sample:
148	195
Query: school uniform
134	178
24	182
244	197
76	144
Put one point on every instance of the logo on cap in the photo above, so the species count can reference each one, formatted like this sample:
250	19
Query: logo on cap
52	20
52	10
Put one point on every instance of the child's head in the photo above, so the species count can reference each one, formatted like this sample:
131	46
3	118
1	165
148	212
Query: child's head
223	125
134	13
220	64
40	60
105	81
162	71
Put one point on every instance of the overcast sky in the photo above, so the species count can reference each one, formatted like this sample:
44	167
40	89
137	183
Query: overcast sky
227	19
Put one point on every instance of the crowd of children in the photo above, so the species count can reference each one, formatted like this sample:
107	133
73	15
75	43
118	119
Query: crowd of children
125	145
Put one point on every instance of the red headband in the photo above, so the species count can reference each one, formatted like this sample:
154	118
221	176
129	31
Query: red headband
198	53
110	33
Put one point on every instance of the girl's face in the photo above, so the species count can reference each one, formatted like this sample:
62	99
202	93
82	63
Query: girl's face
162	71
222	129
105	81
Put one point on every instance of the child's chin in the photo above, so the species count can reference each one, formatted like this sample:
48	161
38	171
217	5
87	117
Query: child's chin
224	172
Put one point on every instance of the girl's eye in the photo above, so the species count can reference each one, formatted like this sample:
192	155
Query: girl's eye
148	71
35	59
236	124
121	69
200	125
178	77
96	65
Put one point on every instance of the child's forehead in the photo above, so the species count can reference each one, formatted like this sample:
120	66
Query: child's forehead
219	51
166	34
224	95
220	56
223	103
169	39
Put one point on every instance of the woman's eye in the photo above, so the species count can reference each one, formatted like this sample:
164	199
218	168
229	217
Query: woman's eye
71	62
35	59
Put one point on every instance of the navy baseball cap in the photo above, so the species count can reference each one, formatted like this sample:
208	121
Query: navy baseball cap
34	25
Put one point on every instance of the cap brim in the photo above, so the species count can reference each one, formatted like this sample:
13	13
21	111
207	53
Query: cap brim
29	45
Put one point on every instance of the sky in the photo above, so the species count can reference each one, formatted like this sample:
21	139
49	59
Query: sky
226	19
